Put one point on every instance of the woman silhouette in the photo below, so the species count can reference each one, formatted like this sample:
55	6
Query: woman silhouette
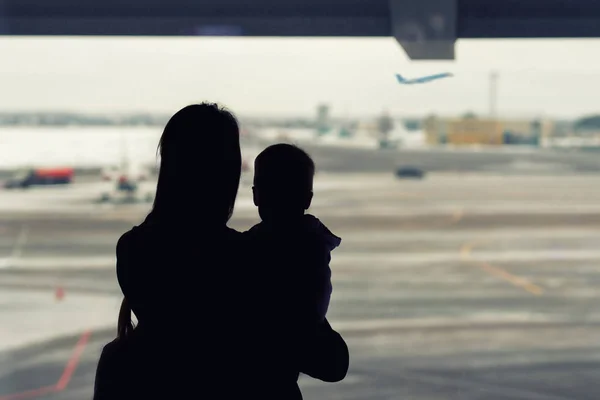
184	275
200	167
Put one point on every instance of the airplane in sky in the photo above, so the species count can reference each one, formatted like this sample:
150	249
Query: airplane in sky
423	79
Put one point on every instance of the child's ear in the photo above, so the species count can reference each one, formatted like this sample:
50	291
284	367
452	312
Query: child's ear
254	196
308	200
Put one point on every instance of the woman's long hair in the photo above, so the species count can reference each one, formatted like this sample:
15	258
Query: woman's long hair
199	175
200	166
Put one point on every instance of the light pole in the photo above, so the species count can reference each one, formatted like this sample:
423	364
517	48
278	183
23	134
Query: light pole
493	94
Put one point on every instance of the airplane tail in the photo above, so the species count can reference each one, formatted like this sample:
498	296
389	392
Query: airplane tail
400	78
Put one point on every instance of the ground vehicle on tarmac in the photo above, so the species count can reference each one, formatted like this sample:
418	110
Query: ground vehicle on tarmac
28	177
128	183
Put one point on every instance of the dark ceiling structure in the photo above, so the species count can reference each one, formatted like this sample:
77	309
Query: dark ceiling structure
426	29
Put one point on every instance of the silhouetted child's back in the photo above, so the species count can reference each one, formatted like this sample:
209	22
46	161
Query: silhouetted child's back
299	244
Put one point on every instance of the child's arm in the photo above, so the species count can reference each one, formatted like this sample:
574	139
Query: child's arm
319	280
313	287
324	288
323	353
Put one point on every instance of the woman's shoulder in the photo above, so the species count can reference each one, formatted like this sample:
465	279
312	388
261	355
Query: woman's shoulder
117	351
114	348
140	236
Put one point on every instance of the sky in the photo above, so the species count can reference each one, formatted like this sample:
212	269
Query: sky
281	76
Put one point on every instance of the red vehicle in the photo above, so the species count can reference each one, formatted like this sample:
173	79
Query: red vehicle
41	177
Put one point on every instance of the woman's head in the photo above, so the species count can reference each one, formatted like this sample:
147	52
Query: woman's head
200	165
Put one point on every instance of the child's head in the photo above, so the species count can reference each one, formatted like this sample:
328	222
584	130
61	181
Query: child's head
283	181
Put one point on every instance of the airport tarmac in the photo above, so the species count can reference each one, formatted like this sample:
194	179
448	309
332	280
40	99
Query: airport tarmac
459	286
513	160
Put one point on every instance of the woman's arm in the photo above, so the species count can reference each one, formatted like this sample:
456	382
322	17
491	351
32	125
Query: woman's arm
106	383
102	380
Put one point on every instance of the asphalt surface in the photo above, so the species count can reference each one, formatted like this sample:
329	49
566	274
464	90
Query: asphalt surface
514	161
469	286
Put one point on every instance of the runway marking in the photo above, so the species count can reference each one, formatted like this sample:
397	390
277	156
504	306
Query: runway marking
65	377
71	366
520	282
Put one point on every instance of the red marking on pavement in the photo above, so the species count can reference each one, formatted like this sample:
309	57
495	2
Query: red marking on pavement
73	361
64	379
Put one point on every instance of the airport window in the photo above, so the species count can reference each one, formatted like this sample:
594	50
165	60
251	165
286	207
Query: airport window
468	205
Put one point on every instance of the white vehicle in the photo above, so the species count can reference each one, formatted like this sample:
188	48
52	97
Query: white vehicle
130	183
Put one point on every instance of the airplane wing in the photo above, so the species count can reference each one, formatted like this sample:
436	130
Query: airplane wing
434	77
444	75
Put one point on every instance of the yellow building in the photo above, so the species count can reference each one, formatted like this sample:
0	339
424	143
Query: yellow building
474	131
471	131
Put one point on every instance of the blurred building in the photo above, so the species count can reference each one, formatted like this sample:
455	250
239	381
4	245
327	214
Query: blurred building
323	120
586	127
483	131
